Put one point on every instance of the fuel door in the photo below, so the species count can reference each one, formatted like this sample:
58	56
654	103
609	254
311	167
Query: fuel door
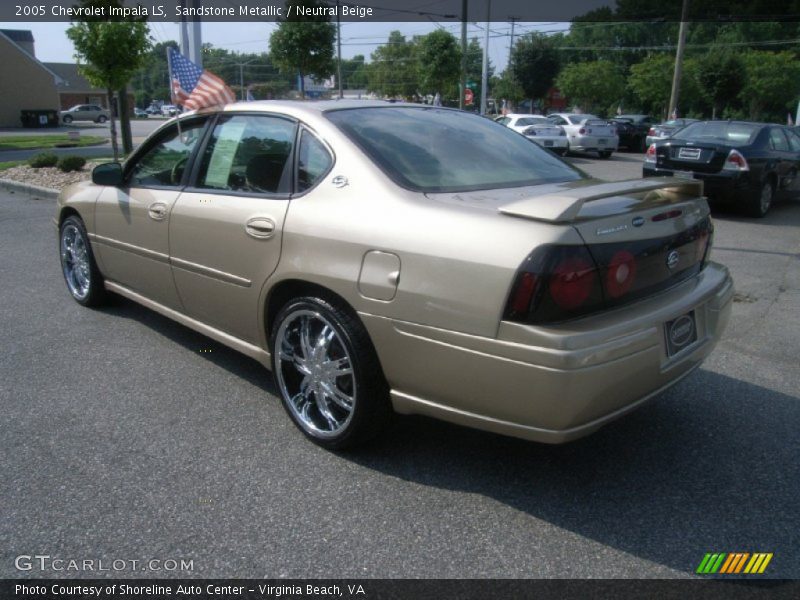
380	274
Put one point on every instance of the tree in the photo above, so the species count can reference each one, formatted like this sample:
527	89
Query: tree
354	73
534	65
111	52
393	71
304	45
475	68
651	83
772	84
720	77
591	85
439	61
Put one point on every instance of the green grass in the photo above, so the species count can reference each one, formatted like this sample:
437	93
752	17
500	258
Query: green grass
33	142
11	163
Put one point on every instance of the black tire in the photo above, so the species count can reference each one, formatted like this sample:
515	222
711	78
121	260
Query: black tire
604	154
759	204
102	119
78	265
66	119
642	144
322	416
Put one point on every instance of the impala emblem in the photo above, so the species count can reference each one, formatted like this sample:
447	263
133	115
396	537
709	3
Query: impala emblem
672	259
339	181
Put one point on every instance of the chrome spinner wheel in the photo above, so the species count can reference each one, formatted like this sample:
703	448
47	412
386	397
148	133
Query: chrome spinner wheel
315	374
75	261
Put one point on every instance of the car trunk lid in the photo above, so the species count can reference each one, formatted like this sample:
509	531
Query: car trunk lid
699	157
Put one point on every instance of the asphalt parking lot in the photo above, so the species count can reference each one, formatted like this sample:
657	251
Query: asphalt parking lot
129	437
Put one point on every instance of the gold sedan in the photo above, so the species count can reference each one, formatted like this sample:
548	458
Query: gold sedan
405	258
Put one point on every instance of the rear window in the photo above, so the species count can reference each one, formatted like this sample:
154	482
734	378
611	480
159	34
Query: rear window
533	121
735	133
441	150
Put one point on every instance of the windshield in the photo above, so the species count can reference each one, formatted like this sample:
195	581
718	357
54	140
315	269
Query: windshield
442	150
736	133
533	121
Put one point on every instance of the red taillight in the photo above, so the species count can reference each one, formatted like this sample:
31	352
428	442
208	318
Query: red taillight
523	294
651	131
572	282
650	155
582	131
736	162
620	274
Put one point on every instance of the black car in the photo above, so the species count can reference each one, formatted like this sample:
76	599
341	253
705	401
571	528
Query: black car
632	131
740	162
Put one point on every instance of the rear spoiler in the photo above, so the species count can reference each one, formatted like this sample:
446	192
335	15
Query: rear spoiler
564	206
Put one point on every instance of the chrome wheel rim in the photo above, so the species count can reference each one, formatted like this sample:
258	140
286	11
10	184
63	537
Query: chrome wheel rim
766	197
75	261
315	373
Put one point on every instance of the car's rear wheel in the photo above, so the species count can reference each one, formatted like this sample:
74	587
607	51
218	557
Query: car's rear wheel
102	119
328	373
66	119
760	203
604	154
83	278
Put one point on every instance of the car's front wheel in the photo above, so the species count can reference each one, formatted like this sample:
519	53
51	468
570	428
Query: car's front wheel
328	373
83	278
102	119
66	119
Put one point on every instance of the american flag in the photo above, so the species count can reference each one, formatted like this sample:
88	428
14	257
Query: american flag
193	87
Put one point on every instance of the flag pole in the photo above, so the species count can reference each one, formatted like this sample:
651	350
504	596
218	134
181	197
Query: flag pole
172	96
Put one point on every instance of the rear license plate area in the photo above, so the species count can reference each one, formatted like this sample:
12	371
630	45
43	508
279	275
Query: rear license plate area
689	153
548	142
602	141
683	174
680	333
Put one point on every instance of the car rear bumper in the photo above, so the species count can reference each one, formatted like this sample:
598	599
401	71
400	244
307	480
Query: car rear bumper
585	143
551	384
726	186
553	143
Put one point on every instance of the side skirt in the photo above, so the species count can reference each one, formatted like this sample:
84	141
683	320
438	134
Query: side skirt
235	343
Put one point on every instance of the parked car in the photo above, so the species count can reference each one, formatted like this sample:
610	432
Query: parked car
376	257
140	114
538	129
664	130
632	130
738	161
587	133
85	112
169	110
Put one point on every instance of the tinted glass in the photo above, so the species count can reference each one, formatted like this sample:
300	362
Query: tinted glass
532	121
247	153
163	163
794	141
777	140
313	161
735	133
438	150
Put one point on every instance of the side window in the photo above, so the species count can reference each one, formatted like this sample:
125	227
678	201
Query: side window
248	153
313	161
778	140
794	141
164	162
504	121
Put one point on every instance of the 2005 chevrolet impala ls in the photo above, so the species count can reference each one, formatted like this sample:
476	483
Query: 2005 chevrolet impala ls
383	257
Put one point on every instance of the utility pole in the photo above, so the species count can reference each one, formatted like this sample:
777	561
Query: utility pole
339	51
511	46
462	84
674	97
241	75
485	65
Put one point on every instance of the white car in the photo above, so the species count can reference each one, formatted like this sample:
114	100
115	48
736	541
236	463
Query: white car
587	133
538	129
169	110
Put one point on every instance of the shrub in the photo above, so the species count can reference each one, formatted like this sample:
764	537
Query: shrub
71	163
43	159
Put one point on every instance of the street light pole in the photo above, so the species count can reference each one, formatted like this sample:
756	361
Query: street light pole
674	96
462	85
485	65
339	51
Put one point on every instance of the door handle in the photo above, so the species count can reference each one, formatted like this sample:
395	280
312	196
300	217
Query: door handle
157	211
260	227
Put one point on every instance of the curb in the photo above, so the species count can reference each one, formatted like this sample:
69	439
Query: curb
36	191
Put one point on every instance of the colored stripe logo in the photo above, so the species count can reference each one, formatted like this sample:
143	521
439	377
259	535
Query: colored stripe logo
731	563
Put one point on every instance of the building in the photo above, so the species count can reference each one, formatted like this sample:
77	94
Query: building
25	83
74	88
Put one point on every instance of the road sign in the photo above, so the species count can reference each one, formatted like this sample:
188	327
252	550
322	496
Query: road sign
468	96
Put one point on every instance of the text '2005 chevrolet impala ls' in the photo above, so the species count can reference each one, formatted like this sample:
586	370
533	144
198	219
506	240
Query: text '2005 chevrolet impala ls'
422	260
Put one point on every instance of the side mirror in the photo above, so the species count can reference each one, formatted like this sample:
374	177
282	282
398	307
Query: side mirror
107	174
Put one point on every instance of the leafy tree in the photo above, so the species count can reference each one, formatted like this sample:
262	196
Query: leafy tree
439	61
591	84
505	88
393	71
651	83
354	73
772	83
111	52
720	77
534	64
304	45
